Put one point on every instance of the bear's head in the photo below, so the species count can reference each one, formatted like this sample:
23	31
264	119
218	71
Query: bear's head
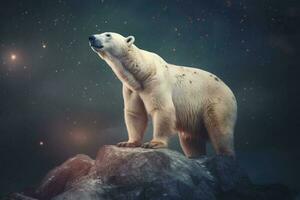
110	44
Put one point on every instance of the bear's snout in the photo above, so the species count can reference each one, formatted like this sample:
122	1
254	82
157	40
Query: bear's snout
92	38
94	42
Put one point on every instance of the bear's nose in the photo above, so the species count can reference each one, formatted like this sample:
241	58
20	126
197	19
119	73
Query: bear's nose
92	38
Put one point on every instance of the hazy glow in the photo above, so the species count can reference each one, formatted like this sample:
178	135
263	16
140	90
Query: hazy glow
78	136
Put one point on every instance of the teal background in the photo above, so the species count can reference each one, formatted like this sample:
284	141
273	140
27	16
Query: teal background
66	97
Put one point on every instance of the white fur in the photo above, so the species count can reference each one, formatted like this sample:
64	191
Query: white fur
190	101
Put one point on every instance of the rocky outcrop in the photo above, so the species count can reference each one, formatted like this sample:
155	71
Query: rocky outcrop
136	173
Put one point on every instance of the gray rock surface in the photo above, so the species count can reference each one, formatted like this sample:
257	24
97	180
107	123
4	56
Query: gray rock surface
136	173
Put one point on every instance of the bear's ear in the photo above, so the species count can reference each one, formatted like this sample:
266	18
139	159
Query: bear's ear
130	40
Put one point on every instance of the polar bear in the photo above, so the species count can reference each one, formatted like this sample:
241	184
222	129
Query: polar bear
189	101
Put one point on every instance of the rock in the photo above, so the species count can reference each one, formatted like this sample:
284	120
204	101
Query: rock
137	173
18	196
153	174
61	178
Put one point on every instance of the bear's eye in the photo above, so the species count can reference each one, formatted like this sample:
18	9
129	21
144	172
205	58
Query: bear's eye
108	35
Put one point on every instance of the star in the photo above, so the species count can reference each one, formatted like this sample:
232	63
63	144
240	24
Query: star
13	57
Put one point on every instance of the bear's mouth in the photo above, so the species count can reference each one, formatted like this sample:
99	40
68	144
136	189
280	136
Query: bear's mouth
96	46
97	49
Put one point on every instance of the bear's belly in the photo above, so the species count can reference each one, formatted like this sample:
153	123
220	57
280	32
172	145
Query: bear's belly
188	111
189	118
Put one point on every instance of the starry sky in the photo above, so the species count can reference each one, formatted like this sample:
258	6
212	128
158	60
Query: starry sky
58	99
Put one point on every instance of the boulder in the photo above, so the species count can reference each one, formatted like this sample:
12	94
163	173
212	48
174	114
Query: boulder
137	173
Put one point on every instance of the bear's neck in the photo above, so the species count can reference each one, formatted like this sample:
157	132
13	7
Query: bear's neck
132	68
135	62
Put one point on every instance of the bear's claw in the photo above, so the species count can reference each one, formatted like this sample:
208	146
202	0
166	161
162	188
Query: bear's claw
154	145
128	144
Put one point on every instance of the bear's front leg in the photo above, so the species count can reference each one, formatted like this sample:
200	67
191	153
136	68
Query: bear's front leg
135	118
163	128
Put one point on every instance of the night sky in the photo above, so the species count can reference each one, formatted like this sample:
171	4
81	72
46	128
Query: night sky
58	99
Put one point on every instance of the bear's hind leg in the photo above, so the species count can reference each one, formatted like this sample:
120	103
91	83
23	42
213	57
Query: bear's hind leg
219	122
192	145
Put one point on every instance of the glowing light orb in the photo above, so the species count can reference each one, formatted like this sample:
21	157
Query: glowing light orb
44	46
41	143
13	57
